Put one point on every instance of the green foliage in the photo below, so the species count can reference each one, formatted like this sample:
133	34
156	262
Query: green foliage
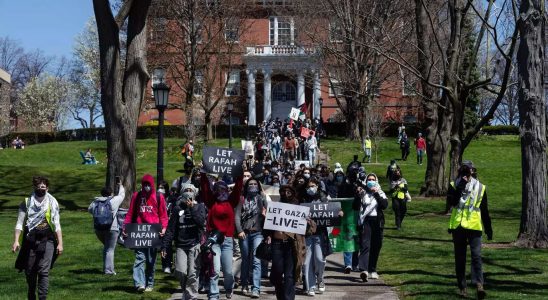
501	130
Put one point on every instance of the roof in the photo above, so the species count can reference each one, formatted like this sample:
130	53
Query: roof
5	76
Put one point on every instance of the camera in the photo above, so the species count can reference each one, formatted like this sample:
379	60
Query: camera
214	237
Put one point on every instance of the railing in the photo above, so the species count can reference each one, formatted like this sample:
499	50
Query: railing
281	50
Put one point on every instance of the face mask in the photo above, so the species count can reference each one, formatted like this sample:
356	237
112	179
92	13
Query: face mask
147	188
188	195
222	196
39	193
253	190
340	178
306	175
371	184
277	184
311	191
163	191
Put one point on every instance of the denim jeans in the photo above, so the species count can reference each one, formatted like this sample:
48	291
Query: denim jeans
420	155
282	275
248	246
108	238
312	157
143	268
461	239
187	268
222	258
314	262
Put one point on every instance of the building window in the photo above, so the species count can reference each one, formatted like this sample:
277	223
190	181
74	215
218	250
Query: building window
233	84
282	31
336	32
232	33
284	91
158	29
198	83
334	86
409	83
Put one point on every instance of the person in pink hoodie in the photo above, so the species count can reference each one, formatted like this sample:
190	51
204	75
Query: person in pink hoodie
146	208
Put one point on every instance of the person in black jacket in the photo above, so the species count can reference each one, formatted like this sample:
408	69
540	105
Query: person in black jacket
185	228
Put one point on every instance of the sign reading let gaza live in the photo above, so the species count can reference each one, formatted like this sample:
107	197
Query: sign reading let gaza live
286	217
325	214
223	161
143	236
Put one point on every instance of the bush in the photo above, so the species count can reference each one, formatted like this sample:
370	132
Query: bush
500	130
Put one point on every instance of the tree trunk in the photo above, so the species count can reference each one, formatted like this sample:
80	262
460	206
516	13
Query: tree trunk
352	120
209	127
455	154
121	96
533	231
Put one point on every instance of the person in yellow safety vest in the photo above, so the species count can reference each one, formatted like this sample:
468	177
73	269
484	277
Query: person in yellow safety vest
38	219
366	149
469	217
398	191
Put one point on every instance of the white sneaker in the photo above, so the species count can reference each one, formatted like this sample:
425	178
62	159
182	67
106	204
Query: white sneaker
148	289
167	270
321	287
311	292
374	275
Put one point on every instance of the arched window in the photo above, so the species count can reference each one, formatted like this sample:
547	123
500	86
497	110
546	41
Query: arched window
284	91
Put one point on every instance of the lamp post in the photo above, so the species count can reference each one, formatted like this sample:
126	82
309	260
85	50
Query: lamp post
318	132
230	107
247	100
161	97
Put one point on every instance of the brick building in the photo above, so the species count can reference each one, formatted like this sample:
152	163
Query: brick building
5	87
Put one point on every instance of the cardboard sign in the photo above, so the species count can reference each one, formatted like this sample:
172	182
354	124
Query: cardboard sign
294	114
305	132
298	163
325	213
286	217
143	236
223	161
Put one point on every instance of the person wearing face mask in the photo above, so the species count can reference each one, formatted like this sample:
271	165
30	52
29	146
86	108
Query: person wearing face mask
146	207
221	204
318	246
469	217
370	203
185	228
38	219
267	179
398	191
249	216
299	184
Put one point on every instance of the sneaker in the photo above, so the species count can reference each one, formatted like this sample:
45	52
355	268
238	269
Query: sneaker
111	274
245	290
229	295
321	287
167	270
311	292
364	276
140	289
255	294
481	292
347	270
374	275
148	289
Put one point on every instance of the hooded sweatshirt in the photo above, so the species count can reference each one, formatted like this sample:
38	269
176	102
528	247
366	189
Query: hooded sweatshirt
370	204
145	208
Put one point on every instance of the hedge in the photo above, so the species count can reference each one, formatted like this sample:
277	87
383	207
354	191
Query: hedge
501	130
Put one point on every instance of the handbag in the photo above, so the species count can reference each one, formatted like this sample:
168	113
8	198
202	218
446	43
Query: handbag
264	251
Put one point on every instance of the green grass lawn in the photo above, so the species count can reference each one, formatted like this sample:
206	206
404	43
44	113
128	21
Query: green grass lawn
417	260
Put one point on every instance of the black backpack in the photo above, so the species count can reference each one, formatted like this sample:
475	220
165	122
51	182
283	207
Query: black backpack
102	215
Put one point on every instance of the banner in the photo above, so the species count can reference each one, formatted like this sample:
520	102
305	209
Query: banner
343	238
143	236
325	214
298	163
223	161
294	114
286	217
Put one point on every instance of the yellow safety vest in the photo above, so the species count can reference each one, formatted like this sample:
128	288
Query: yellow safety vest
368	144
48	214
469	217
398	193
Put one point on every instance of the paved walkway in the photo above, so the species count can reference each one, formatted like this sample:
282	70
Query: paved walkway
338	286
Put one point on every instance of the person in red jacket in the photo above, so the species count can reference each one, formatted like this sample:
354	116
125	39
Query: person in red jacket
420	143
220	219
146	208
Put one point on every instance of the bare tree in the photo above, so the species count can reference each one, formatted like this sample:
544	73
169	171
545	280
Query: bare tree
533	231
122	85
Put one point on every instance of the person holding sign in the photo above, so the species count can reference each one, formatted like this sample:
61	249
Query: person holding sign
221	219
146	207
370	203
185	228
249	224
288	251
311	144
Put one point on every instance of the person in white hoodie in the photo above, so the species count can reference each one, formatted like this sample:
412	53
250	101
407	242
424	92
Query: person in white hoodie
370	203
108	237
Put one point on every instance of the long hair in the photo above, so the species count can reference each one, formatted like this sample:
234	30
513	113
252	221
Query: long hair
246	186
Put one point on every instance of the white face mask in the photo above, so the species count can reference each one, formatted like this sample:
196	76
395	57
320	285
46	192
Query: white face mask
147	188
311	191
163	191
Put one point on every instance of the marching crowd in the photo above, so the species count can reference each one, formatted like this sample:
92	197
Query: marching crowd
214	224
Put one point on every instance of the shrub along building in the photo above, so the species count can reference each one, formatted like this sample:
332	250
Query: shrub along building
255	55
5	88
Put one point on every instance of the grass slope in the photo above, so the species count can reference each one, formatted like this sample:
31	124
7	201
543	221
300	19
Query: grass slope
418	260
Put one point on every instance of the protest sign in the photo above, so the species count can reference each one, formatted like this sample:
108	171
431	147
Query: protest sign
325	213
247	146
294	114
142	236
223	161
305	132
298	163
286	217
343	237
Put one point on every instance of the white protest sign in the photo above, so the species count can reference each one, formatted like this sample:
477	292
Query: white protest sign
294	114
286	217
298	163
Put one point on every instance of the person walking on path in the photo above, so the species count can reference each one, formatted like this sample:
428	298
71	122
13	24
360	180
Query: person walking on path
185	228
146	207
469	217
398	192
311	145
38	219
109	235
404	146
366	149
420	143
370	203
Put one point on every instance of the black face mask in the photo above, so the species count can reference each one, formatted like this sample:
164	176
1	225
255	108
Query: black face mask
39	193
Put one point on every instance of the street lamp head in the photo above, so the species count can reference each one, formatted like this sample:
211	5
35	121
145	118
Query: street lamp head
161	95
230	106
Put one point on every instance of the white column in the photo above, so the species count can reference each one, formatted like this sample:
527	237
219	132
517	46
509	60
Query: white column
252	118
300	88
317	95
267	105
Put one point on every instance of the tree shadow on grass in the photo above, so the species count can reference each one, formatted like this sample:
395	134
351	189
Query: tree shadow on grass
120	288
86	271
418	239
